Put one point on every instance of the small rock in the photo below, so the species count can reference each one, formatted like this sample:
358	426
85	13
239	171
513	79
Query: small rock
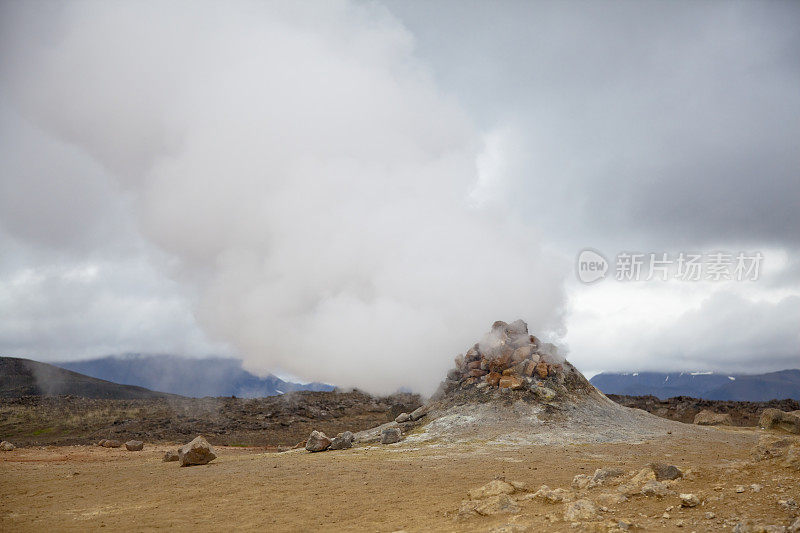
134	445
170	456
755	487
666	515
197	452
740	489
601	475
710	418
611	498
493	488
317	442
665	472
541	370
689	500
582	509
342	441
402	417
580	481
100	442
777	419
391	435
544	393
6	446
655	488
551	495
709	516
795	527
111	443
494	505
418	413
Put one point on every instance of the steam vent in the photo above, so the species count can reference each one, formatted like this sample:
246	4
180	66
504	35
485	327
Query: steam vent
510	388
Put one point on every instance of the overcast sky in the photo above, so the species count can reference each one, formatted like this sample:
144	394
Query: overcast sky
354	192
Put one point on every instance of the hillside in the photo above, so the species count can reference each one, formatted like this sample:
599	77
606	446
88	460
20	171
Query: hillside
23	377
784	384
211	376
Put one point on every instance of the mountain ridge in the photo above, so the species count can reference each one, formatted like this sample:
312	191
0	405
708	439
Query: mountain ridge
185	376
783	384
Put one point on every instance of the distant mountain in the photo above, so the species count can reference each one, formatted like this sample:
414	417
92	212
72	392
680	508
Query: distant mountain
23	377
211	376
707	385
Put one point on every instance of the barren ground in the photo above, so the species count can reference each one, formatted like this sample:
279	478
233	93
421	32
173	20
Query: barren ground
379	488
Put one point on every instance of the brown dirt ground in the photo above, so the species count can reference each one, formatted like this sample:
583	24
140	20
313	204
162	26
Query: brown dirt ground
378	488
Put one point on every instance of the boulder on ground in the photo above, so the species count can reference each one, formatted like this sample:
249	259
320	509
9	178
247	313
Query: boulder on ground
655	488
134	445
197	452
6	446
777	419
100	442
689	500
710	418
551	495
418	413
317	442
391	435
493	488
170	456
342	441
582	509
402	417
111	443
665	471
601	475
581	481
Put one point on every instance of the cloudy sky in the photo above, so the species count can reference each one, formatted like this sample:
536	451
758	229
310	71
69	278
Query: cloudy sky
353	192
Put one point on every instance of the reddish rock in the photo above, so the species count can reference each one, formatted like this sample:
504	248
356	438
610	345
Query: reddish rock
508	372
301	444
493	379
541	370
474	365
471	381
511	382
534	340
477	372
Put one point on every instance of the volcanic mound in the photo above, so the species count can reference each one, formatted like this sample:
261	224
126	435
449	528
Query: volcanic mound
512	388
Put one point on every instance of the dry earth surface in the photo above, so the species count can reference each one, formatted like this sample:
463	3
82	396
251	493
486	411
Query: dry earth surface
389	488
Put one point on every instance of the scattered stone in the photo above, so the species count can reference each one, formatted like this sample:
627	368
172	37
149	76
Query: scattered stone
710	418
601	475
317	442
299	445
6	446
689	500
740	489
493	505
665	472
544	393
655	488
402	417
493	488
755	487
666	515
750	526
134	445
541	370
418	413
100	442
643	476
110	443
391	435
511	382
611	498
170	456
197	452
709	515
780	420
342	441
581	481
551	495
582	509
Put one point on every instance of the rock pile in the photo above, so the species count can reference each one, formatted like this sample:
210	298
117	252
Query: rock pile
510	359
319	442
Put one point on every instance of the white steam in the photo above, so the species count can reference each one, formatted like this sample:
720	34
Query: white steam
304	170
